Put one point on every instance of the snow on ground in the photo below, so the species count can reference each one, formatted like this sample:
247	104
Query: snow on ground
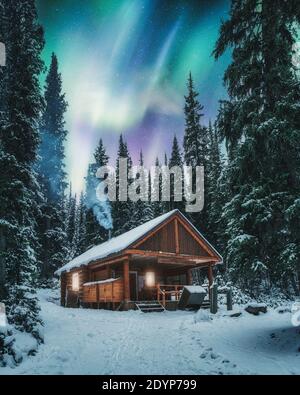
79	341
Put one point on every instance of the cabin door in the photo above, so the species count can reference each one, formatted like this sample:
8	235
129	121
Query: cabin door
133	281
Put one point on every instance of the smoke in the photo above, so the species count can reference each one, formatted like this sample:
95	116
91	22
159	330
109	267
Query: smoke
102	210
97	200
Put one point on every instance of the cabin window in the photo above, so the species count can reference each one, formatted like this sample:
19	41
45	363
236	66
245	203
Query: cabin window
75	282
150	279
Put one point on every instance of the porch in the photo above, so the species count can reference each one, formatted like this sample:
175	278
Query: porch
122	285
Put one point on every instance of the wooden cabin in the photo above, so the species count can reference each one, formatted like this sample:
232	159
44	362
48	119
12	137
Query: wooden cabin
152	262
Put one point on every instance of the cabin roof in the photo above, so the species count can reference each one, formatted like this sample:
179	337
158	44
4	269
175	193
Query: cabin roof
125	240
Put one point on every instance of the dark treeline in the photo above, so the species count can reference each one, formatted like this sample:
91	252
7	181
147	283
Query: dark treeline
252	187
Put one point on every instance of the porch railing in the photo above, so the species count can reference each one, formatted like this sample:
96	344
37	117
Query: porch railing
164	292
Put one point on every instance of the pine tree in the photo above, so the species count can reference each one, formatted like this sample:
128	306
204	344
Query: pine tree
156	189
51	164
143	209
214	201
19	140
51	170
195	145
164	187
176	161
262	134
123	212
81	212
75	243
71	224
195	137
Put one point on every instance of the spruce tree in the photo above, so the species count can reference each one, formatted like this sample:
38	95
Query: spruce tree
19	140
214	201
142	208
262	133
81	213
53	135
123	211
71	224
51	170
156	185
195	137
176	161
196	149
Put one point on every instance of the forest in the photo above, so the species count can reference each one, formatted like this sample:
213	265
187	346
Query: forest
250	153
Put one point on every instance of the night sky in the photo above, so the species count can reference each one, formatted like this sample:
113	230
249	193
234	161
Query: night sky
125	64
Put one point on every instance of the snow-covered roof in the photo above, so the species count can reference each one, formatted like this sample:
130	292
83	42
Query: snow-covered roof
120	243
109	280
195	289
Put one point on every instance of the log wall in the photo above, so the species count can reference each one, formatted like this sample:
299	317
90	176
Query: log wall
112	292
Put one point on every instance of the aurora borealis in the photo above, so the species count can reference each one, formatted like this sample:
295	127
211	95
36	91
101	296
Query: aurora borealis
124	65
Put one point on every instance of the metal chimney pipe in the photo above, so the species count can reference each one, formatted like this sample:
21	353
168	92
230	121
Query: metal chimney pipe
109	234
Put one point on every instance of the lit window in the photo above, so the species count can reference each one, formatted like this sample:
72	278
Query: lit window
75	282
150	279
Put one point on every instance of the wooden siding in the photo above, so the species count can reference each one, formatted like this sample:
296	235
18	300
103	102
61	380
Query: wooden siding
163	240
100	274
188	245
168	239
104	293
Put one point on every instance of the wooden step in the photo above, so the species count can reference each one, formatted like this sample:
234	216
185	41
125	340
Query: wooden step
205	305
149	307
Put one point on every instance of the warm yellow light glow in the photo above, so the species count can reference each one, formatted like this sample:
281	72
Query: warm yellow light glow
75	282
150	279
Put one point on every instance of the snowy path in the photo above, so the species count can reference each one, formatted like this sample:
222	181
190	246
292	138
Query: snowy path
104	342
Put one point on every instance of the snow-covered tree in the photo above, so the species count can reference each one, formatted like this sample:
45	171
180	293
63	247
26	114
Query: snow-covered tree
262	133
123	212
19	140
176	161
143	211
214	200
156	185
51	171
70	222
196	146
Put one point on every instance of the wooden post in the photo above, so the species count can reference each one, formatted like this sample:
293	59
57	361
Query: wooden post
158	293
63	289
189	277
229	299
97	293
176	236
210	283
214	299
164	299
210	276
126	283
